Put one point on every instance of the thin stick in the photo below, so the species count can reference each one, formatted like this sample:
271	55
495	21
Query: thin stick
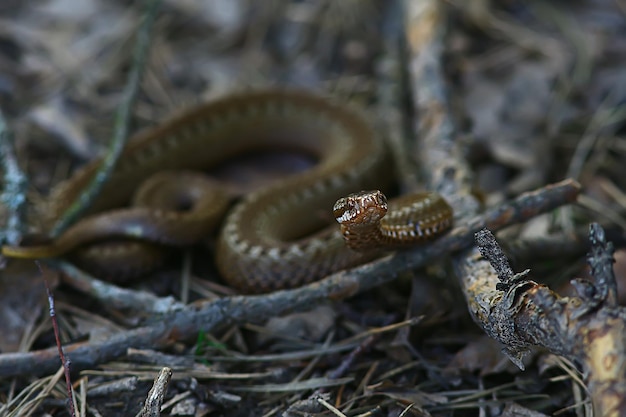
55	326
122	119
14	187
154	400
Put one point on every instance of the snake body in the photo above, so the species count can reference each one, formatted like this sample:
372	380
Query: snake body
272	238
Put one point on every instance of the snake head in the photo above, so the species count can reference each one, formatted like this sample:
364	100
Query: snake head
364	207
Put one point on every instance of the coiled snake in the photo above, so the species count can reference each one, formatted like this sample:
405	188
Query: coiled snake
272	238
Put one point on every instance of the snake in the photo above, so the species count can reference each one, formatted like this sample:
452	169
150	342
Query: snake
273	238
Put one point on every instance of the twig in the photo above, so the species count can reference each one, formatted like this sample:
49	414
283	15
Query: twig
132	301
152	407
14	188
206	316
494	254
122	120
55	326
435	145
588	329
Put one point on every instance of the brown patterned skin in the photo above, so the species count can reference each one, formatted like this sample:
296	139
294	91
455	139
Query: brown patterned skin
272	238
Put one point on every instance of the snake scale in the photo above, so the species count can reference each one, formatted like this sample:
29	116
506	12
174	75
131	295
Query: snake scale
276	237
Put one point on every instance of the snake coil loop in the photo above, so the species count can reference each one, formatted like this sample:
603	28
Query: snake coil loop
273	238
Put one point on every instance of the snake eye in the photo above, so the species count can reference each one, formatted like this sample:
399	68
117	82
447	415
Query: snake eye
343	208
339	209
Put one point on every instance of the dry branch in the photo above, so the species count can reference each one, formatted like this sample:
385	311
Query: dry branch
206	316
589	329
55	327
154	400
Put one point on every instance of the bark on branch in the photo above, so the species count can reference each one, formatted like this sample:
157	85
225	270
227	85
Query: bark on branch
589	329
